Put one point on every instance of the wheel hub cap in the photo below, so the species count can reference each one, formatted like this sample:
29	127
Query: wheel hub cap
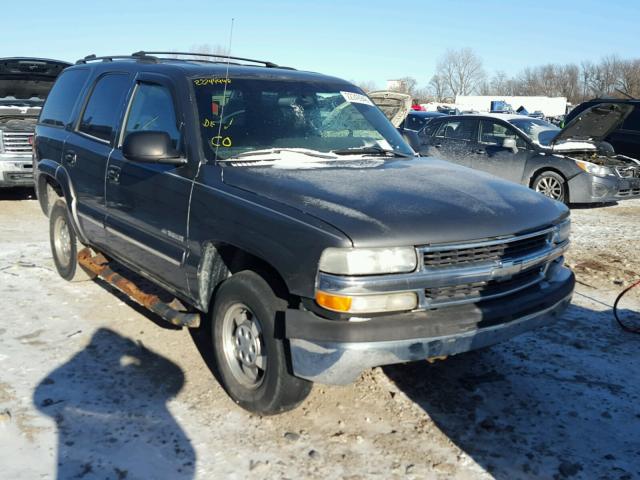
243	345
550	187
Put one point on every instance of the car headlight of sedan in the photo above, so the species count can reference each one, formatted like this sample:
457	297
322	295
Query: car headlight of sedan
593	169
368	261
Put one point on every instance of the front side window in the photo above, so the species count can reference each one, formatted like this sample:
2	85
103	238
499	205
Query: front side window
460	129
241	115
101	114
537	130
152	109
494	133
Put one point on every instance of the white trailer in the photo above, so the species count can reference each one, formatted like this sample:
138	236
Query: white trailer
549	106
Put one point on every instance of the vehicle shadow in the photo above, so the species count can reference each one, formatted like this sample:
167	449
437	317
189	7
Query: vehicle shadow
555	403
109	402
17	194
591	206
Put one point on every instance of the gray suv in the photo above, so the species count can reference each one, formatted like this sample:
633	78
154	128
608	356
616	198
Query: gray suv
280	210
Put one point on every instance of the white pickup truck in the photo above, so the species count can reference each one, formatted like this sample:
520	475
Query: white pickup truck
24	86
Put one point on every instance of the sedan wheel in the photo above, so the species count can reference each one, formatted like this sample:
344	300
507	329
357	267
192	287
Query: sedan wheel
551	185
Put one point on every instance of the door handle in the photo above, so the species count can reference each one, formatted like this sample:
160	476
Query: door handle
480	151
438	145
113	174
70	157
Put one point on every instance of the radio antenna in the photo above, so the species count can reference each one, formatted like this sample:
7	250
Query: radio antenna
224	91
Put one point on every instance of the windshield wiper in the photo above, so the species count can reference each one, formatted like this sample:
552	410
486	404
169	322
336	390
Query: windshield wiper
248	156
370	150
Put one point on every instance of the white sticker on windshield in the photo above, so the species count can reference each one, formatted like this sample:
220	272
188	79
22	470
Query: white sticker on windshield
356	98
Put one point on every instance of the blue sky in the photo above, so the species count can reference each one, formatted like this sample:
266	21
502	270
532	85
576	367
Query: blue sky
361	41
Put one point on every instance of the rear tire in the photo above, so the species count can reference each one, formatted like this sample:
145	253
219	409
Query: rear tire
552	185
64	244
251	361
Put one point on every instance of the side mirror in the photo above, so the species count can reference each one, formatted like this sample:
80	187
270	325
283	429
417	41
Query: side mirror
151	147
510	143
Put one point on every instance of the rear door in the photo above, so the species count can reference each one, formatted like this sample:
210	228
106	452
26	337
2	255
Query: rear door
148	203
454	140
87	149
490	156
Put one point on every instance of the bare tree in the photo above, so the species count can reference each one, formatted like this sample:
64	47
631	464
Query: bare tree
367	85
629	77
406	85
438	88
461	70
216	51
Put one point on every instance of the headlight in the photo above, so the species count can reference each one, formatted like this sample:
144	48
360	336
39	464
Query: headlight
361	304
368	261
592	168
562	232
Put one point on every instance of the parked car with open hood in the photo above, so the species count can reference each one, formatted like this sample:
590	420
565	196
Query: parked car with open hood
626	138
24	85
283	210
573	165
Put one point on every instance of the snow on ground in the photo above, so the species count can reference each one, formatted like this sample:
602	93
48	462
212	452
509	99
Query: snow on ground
91	386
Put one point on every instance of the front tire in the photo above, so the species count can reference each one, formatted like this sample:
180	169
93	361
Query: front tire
552	185
251	361
64	243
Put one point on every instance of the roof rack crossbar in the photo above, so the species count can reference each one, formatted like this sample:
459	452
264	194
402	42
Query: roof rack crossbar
109	58
267	64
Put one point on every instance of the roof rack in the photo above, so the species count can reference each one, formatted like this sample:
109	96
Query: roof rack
208	55
110	58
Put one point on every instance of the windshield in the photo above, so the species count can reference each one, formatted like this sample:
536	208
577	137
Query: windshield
538	131
254	115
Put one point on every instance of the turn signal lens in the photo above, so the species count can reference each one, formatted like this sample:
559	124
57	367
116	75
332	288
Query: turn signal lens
333	302
360	304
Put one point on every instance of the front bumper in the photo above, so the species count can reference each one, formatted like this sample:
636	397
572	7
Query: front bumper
337	352
587	188
16	170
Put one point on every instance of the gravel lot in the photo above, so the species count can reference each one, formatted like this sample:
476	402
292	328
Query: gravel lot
92	386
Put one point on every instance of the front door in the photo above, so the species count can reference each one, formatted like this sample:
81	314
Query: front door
492	157
148	203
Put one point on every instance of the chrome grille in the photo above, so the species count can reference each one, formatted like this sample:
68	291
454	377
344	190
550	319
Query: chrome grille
16	142
468	292
438	257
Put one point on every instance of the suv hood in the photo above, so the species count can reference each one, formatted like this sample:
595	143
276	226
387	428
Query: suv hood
592	125
24	78
387	202
394	105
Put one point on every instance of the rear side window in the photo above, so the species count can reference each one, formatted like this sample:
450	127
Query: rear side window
101	114
461	129
59	105
152	110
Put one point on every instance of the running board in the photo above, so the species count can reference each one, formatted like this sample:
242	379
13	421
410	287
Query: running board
98	265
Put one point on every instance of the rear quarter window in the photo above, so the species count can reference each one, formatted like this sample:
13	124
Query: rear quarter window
63	96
